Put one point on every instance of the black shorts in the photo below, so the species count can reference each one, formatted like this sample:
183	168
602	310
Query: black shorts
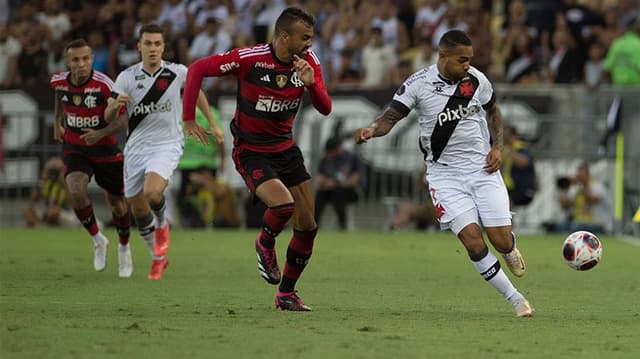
108	175
258	167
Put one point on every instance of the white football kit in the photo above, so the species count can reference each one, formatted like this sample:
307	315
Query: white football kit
154	139
455	140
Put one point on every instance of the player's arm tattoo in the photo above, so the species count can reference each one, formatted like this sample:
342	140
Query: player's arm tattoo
383	124
494	120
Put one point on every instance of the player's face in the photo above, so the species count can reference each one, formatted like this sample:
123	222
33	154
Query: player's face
80	61
151	46
457	62
299	39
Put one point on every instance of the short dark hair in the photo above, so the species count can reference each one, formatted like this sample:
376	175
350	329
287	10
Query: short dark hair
289	16
453	38
76	44
151	28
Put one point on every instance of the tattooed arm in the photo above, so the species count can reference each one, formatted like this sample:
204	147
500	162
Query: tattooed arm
494	120
380	127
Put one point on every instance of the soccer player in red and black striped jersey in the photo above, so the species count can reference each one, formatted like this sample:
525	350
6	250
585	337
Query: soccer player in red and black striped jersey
272	79
90	148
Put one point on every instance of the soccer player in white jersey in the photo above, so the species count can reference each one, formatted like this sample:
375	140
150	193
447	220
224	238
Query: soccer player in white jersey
150	92
461	139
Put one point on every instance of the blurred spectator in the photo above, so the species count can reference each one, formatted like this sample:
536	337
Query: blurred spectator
123	51
426	55
452	20
5	11
518	170
196	206
419	210
337	181
519	55
343	40
211	9
585	201
56	20
562	59
176	46
213	201
175	14
265	13
147	14
401	72
57	59
100	50
623	58
214	39
10	50
394	32
610	31
430	14
378	59
32	62
594	72
49	202
517	21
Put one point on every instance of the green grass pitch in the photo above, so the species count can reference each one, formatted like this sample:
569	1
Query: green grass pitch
374	295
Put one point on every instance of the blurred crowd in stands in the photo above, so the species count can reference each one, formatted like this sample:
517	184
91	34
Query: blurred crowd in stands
362	43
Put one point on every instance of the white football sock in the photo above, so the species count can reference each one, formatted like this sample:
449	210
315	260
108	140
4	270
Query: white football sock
489	268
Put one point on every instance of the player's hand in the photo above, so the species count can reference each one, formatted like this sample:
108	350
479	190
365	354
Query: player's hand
218	134
123	99
494	160
304	70
91	136
363	134
58	133
191	128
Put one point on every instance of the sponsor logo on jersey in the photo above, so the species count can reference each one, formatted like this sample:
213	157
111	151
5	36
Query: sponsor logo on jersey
162	84
268	104
153	107
82	121
90	101
281	80
139	77
466	88
229	66
401	90
438	86
264	65
457	114
295	80
64	98
92	89
61	88
266	78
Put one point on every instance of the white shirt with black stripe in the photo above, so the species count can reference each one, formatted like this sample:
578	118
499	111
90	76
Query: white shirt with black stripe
452	116
161	126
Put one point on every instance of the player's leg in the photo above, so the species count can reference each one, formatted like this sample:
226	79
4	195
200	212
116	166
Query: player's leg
77	176
492	199
300	247
262	180
295	176
134	178
109	176
158	169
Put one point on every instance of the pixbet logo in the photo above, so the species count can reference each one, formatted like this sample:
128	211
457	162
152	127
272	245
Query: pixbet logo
153	107
457	114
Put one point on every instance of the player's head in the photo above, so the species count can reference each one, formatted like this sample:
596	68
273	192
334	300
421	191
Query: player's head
454	55
151	44
79	59
294	30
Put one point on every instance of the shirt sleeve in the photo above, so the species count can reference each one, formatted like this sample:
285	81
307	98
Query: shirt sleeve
214	65
318	91
405	97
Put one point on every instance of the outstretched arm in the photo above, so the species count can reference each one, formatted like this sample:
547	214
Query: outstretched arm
380	127
494	120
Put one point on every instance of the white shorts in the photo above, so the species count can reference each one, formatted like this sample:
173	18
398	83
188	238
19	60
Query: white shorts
136	167
464	198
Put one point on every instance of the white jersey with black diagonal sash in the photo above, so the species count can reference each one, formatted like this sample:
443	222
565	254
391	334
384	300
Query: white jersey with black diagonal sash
155	110
452	117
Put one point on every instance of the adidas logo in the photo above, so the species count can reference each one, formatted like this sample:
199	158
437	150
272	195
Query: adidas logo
65	98
265	78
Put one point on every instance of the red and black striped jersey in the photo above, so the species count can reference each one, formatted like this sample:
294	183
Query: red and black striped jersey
269	94
83	107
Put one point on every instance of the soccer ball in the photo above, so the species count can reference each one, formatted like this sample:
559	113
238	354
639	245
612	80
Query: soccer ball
582	250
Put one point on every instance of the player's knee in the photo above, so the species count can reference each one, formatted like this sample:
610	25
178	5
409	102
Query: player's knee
153	195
